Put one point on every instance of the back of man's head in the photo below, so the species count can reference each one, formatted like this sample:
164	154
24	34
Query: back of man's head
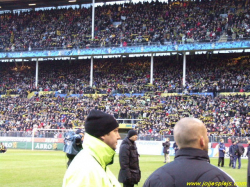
191	133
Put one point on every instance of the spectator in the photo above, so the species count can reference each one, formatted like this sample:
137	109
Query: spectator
130	173
248	166
3	149
175	147
166	147
89	167
233	152
191	137
240	152
222	150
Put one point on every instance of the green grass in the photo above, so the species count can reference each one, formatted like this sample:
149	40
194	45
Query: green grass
26	168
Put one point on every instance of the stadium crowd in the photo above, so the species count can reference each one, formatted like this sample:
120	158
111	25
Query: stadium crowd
117	80
127	24
222	73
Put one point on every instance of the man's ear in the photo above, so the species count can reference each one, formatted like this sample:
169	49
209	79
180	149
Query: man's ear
102	138
202	142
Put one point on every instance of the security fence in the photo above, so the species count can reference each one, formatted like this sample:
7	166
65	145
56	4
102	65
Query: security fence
212	138
143	137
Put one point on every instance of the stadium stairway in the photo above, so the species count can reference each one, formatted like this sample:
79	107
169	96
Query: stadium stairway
223	37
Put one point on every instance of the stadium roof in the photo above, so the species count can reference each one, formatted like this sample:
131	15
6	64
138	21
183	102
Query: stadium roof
24	4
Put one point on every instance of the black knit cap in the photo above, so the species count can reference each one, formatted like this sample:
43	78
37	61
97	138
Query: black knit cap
99	123
131	133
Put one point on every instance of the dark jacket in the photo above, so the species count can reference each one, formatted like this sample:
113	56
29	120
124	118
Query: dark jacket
240	149
221	148
190	165
248	151
166	146
129	162
233	150
248	166
175	147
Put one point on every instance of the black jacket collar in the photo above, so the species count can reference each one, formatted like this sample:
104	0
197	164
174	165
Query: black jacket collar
192	153
128	141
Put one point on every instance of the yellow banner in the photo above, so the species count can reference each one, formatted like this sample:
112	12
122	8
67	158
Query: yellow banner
94	95
3	96
125	126
31	95
235	93
46	92
169	94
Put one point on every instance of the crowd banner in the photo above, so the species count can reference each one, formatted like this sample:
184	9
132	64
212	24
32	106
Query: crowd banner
56	93
30	95
126	126
94	95
177	94
169	94
60	95
128	49
46	92
204	94
128	94
3	96
235	93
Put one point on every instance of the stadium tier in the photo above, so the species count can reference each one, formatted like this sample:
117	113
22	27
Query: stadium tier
127	24
216	91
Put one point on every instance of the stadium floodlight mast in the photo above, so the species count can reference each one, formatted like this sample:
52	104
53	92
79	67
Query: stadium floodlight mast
92	36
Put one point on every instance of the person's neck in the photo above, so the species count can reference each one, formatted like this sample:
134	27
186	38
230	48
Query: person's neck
131	140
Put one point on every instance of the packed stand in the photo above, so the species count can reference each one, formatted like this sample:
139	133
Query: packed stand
214	74
123	25
225	115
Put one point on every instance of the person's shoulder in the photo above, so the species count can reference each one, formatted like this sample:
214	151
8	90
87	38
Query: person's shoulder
241	145
215	174
83	156
161	177
84	161
124	144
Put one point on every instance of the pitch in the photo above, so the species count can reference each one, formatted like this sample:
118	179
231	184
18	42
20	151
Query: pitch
26	168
